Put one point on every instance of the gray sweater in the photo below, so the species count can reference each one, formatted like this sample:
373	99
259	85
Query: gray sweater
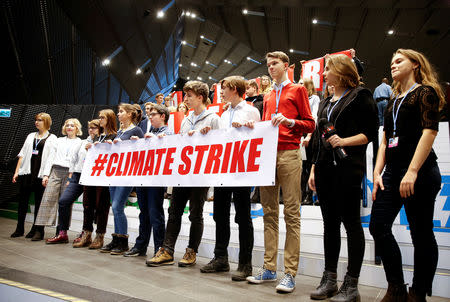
206	118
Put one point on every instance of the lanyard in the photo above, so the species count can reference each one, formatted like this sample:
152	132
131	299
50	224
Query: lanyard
395	113
100	140
329	112
278	95
37	141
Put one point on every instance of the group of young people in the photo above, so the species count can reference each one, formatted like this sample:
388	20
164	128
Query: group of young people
337	131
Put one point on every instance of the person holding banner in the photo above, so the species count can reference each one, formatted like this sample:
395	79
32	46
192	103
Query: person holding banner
287	107
56	172
96	199
73	189
151	199
238	114
411	175
128	117
347	122
30	168
196	97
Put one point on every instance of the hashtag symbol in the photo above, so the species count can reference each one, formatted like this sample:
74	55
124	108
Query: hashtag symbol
99	164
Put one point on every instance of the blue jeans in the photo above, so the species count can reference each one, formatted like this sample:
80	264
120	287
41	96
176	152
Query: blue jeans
72	192
150	202
119	197
381	105
419	209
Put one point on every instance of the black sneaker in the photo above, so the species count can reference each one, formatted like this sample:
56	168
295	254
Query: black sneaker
217	264
134	252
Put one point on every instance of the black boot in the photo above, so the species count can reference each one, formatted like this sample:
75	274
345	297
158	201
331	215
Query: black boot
348	291
415	296
327	287
217	264
244	270
395	293
18	232
114	242
308	201
122	245
31	232
38	234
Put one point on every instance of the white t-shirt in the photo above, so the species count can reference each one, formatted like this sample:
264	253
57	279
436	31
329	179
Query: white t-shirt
242	113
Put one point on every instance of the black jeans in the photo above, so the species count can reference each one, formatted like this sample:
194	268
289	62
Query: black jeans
339	192
27	185
96	204
151	216
180	196
419	210
68	197
222	204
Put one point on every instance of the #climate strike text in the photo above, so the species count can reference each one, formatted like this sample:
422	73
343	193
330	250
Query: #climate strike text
220	158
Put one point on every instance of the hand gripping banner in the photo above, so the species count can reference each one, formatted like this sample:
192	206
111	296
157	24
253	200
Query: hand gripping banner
236	157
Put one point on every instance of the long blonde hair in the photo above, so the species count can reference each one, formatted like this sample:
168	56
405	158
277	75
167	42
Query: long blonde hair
424	74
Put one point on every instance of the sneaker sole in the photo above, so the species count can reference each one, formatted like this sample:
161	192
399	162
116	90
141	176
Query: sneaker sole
260	281
160	264
105	251
285	290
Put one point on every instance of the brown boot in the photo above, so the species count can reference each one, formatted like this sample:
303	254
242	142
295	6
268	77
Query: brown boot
98	241
86	239
395	293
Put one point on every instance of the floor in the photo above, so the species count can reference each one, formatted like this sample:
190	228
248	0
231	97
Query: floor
90	275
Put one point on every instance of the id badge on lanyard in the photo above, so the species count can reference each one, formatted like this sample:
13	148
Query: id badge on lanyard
35	152
393	142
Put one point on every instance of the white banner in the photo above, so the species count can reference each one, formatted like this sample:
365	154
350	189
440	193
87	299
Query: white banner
235	157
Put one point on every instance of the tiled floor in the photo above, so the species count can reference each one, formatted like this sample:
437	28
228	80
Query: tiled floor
88	274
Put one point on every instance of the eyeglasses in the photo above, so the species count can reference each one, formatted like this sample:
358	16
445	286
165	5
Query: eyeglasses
102	117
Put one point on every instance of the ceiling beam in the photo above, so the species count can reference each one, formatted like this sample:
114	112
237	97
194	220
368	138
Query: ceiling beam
361	26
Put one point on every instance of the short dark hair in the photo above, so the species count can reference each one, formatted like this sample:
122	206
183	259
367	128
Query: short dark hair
162	110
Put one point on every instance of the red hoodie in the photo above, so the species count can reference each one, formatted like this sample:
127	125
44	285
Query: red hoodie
293	104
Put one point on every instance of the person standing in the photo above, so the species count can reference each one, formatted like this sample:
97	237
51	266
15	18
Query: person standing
238	114
287	107
96	200
337	172
151	199
251	91
382	94
128	117
73	188
30	170
411	175
56	172
196	97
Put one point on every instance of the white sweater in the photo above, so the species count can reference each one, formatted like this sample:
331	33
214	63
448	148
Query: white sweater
27	150
65	148
77	160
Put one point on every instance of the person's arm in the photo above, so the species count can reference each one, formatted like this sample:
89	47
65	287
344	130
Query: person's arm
312	180
355	140
420	155
379	166
16	173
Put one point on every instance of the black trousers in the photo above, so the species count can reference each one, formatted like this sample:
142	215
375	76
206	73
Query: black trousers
180	196
27	185
339	192
419	210
222	205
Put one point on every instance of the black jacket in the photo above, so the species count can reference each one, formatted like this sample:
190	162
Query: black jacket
358	114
